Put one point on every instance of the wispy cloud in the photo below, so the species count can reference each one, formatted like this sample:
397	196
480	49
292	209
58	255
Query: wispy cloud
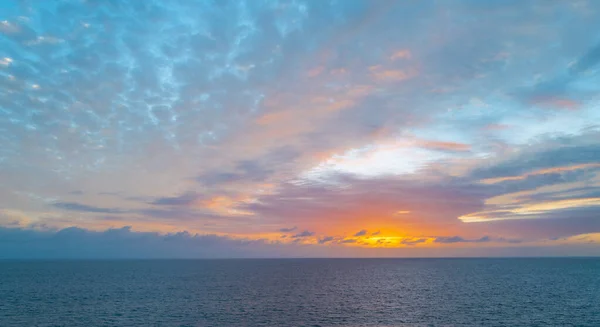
288	230
361	233
458	239
73	206
304	234
184	199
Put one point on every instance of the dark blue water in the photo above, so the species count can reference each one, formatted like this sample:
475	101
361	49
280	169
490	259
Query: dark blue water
311	292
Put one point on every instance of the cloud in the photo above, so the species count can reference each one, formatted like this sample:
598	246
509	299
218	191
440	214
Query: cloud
452	239
249	171
413	241
304	234
120	243
458	239
287	230
545	171
553	178
556	102
392	75
555	92
326	239
546	156
74	206
444	146
125	243
182	200
401	54
361	233
587	61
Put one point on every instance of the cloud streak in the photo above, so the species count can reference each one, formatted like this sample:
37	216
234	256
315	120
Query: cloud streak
73	206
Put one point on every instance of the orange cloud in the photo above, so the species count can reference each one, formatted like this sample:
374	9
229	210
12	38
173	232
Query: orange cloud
444	146
581	238
226	205
553	170
401	54
274	117
556	205
331	104
528	210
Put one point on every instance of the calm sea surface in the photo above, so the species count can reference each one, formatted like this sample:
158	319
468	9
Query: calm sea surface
303	292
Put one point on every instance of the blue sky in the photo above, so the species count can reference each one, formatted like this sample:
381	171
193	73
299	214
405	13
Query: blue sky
299	128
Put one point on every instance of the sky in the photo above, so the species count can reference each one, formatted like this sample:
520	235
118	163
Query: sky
297	128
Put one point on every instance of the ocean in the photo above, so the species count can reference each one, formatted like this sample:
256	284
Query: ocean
302	292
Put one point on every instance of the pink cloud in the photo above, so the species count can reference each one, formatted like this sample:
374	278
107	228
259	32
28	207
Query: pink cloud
557	102
444	146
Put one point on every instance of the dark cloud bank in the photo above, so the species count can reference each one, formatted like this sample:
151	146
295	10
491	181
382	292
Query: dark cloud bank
123	243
